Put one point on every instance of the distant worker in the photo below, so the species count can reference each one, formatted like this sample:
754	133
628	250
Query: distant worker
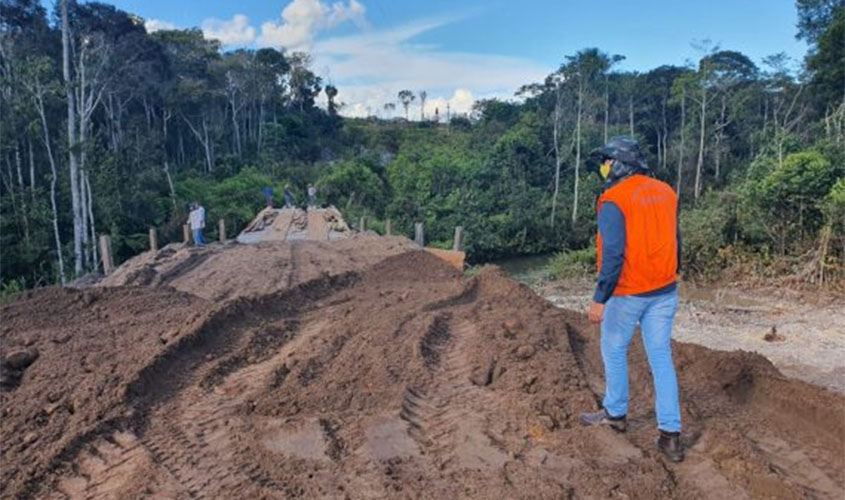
312	195
638	255
268	196
196	219
288	197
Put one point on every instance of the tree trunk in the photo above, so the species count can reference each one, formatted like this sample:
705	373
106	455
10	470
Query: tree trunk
165	117
95	258
260	128
665	134
659	150
31	171
54	171
236	128
718	152
631	114
203	140
209	152
577	149
181	157
86	244
606	107
73	143
702	129
720	137
683	136
556	131
22	188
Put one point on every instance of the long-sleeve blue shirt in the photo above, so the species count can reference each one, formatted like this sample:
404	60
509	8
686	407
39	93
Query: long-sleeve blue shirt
612	229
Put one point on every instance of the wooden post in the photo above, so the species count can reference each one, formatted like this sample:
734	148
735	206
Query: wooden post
186	233
419	236
362	224
153	239
459	239
105	252
388	229
221	229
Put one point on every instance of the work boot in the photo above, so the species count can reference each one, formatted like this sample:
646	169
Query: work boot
601	417
670	444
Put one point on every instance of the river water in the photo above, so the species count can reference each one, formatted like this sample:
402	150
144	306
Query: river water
529	269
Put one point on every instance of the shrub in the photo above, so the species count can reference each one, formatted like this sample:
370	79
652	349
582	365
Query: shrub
573	263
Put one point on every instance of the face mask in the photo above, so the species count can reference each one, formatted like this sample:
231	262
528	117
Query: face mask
604	169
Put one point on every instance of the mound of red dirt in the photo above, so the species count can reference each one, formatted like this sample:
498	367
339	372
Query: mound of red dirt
89	346
221	272
400	379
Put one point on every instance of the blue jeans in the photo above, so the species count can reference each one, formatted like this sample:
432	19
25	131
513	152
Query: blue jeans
198	238
655	314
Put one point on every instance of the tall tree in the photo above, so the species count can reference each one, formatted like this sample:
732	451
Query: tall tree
406	97
703	97
73	144
423	96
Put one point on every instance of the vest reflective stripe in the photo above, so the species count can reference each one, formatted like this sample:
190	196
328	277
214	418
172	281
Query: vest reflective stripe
650	208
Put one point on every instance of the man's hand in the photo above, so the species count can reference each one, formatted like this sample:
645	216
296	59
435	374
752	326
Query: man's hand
595	312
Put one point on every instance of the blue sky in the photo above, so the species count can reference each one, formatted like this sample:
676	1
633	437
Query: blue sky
459	51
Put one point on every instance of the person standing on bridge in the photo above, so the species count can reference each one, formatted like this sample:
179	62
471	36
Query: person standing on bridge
638	257
288	197
196	219
267	191
312	195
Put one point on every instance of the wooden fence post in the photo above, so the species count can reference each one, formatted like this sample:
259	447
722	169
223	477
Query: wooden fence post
153	239
388	229
186	233
419	236
221	229
459	239
105	252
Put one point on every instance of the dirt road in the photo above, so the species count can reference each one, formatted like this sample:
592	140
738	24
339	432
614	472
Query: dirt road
804	336
397	379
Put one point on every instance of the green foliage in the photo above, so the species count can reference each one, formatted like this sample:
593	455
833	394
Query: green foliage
353	183
223	125
705	230
573	263
236	199
827	63
784	201
11	289
834	202
834	210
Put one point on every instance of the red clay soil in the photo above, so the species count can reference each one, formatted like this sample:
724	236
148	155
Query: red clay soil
220	272
88	346
402	380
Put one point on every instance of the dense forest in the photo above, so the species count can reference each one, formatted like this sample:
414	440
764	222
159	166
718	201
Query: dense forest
108	129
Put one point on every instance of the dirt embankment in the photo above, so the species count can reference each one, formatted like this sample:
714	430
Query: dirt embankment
802	334
220	272
85	348
398	380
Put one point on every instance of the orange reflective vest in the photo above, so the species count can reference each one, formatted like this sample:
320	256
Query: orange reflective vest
650	208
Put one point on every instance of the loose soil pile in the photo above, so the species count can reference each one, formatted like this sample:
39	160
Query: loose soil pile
221	272
398	380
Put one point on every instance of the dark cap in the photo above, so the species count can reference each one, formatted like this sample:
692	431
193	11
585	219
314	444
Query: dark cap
623	149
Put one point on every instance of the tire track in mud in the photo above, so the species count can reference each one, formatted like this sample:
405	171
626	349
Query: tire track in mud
185	427
448	418
191	444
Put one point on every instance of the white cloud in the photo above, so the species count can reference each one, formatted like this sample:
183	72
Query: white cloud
235	31
153	25
372	66
303	19
370	69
